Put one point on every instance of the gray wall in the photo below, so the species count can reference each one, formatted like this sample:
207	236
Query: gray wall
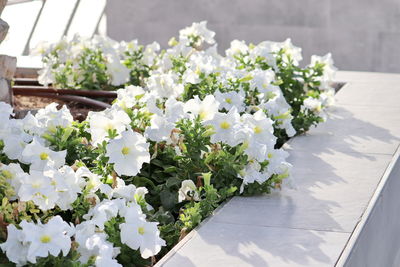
361	34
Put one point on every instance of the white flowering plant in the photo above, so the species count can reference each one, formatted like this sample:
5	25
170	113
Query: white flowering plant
189	129
95	64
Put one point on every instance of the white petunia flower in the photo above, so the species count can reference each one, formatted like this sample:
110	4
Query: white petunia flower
160	129
39	156
187	191
312	104
290	52
46	75
205	109
329	70
252	174
262	81
264	50
190	76
132	212
104	211
50	117
174	110
31	125
280	111
121	190
15	250
93	244
237	47
119	72
197	34
105	261
14	145
6	110
44	239
261	128
129	96
143	235
128	153
164	85
93	182
200	62
150	53
15	138
140	194
230	99
38	187
67	184
225	126
327	97
256	150
108	120
14	175
277	162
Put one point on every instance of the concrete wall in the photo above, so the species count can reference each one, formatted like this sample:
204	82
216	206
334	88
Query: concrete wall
361	34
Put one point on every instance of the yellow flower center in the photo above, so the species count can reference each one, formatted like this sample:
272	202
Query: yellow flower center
257	129
141	230
45	239
270	155
109	126
44	156
202	115
197	71
90	185
36	185
162	82
125	150
283	115
228	100
224	125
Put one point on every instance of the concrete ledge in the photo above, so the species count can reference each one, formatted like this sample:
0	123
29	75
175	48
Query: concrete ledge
375	241
343	209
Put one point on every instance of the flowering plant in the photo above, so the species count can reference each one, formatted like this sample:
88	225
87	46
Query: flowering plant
184	135
95	64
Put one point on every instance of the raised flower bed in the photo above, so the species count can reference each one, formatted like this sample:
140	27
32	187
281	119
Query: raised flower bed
343	210
188	130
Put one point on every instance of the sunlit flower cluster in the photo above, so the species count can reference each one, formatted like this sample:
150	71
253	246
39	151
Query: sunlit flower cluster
189	129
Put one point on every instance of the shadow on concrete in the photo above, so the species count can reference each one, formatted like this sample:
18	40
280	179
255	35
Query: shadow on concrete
337	167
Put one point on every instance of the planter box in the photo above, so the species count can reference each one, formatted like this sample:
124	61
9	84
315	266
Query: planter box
343	209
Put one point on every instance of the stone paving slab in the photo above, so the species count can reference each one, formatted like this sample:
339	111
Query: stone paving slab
222	244
370	77
314	203
371	94
359	129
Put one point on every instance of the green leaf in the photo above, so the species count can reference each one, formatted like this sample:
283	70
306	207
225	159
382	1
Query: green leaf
173	181
143	181
168	199
67	133
169	169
